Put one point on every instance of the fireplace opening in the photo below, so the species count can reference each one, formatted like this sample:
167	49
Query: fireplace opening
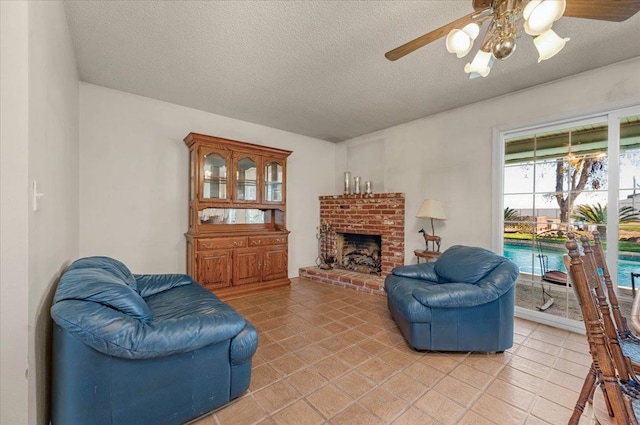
359	253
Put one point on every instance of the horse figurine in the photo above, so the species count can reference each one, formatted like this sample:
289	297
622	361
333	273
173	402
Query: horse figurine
435	241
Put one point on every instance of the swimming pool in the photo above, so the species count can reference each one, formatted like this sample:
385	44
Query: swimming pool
528	261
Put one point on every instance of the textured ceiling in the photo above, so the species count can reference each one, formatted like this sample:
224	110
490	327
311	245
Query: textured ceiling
315	68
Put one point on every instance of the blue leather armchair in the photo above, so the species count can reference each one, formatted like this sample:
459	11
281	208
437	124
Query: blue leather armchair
143	349
464	301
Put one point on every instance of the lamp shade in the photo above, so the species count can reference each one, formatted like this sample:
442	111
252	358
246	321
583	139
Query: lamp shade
431	209
480	65
549	44
540	15
461	41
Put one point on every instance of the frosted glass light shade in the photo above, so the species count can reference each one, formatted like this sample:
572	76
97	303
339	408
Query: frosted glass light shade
529	8
431	208
460	42
472	30
480	66
540	15
549	44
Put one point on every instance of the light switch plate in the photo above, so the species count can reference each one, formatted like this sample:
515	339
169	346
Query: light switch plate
36	196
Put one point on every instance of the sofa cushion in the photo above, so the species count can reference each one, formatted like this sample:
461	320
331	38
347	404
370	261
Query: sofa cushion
100	285
466	264
111	265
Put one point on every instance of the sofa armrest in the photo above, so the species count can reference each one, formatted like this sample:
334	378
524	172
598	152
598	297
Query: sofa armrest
150	284
453	295
244	345
117	334
501	279
424	271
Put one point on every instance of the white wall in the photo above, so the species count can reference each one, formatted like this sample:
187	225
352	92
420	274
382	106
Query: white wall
449	156
134	178
40	98
53	163
14	256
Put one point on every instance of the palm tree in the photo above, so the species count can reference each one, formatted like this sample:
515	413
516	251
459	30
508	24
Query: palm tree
628	215
597	214
510	214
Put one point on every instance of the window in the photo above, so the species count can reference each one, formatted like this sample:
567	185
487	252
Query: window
581	175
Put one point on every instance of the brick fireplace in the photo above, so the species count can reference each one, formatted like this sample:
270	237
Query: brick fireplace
381	214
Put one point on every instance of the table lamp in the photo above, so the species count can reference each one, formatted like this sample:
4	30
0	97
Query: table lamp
431	209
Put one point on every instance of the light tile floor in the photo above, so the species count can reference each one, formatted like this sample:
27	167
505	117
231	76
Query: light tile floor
329	355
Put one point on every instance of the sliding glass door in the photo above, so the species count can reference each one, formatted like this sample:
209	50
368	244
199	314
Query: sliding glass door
580	176
627	272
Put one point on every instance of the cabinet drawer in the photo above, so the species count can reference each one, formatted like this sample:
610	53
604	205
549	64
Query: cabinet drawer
267	240
221	243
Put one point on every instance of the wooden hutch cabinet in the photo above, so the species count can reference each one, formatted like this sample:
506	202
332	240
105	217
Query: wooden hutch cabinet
237	238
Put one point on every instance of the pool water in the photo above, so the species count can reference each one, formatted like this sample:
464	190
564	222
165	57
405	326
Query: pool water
527	260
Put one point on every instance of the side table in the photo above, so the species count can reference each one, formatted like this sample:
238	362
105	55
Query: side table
427	255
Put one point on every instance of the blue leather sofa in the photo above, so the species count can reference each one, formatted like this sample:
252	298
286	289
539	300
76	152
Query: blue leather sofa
463	301
143	349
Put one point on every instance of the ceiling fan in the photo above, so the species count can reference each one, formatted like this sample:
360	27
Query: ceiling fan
506	19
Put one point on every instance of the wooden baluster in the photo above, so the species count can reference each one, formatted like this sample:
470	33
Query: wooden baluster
595	283
586	393
595	335
598	253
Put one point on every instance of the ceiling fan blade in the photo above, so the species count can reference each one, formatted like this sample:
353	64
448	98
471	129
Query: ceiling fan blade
481	4
423	40
604	10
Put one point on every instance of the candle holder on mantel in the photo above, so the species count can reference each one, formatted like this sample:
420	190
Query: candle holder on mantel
356	185
368	187
347	183
326	257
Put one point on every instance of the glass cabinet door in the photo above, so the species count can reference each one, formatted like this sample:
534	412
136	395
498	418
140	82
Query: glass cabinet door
246	179
273	180
214	169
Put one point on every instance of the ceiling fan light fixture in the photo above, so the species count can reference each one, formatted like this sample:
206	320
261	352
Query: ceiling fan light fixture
529	8
472	30
540	15
460	42
504	47
549	44
480	66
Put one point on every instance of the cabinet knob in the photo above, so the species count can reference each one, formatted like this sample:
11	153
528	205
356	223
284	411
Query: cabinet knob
236	243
